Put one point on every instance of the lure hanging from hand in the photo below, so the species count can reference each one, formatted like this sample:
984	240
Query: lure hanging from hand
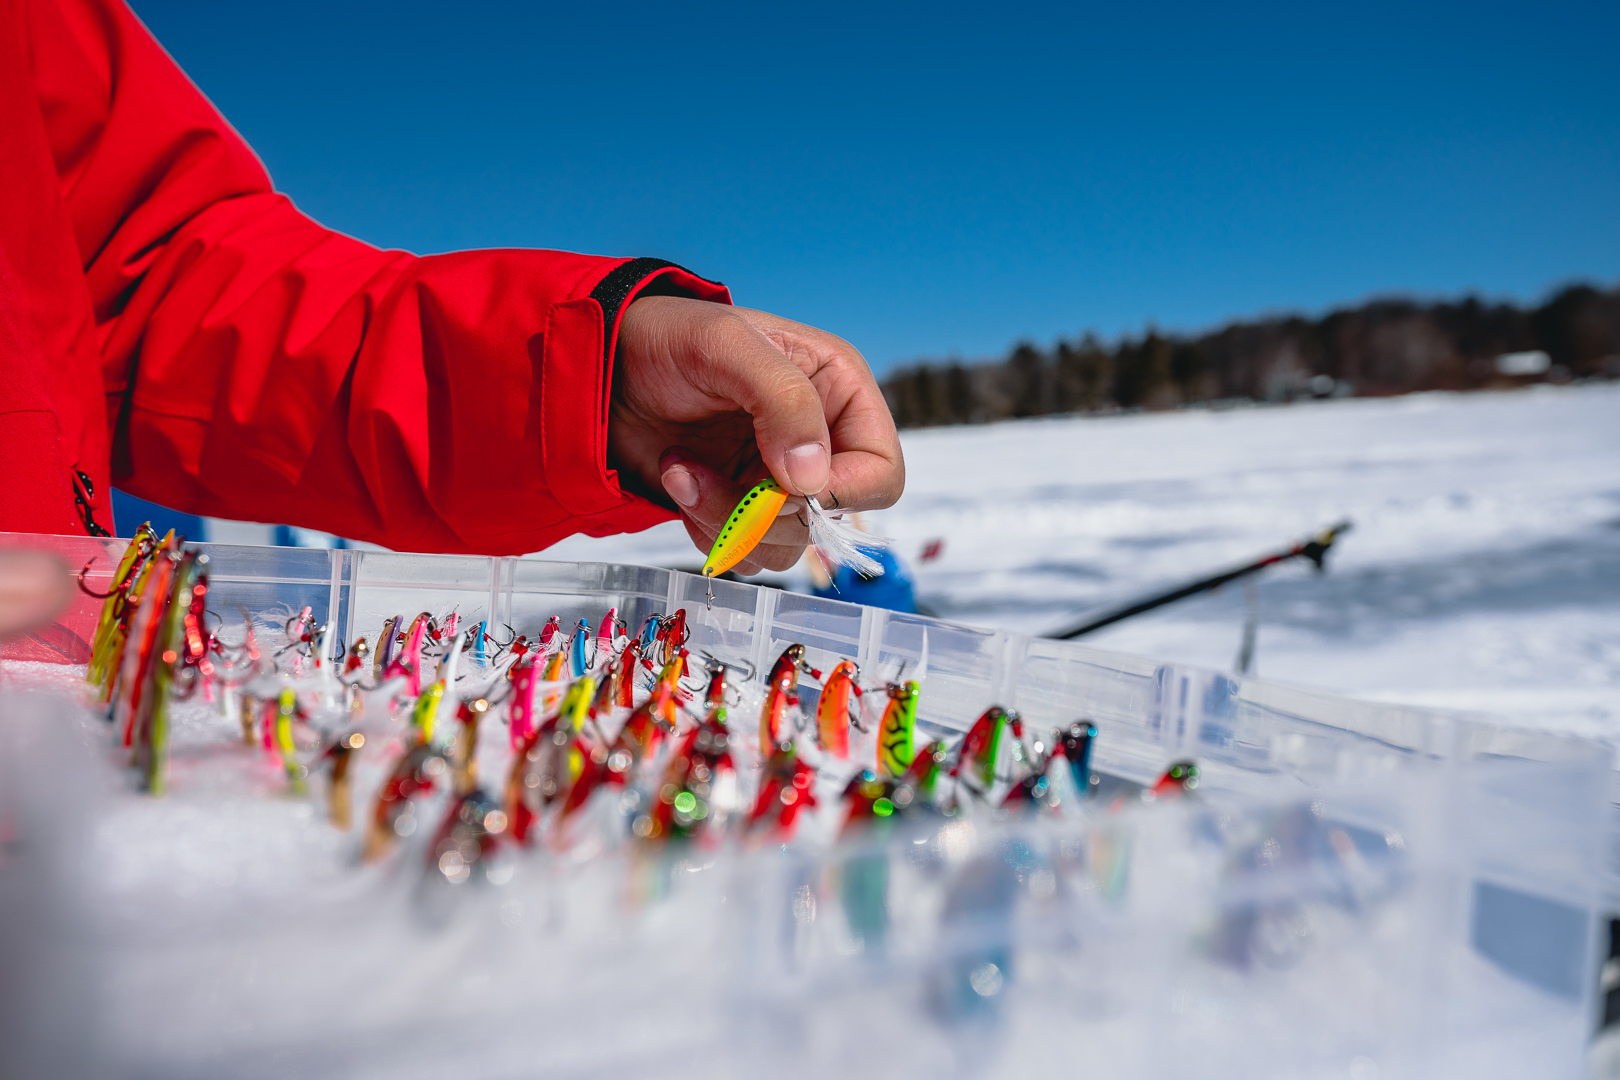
841	544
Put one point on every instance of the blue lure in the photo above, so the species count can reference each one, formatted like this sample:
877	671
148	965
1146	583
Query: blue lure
479	651
1075	745
578	662
649	631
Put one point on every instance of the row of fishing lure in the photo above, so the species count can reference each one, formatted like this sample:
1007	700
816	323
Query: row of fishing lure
605	726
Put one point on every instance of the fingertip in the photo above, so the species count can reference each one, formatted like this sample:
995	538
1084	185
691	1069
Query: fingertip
808	467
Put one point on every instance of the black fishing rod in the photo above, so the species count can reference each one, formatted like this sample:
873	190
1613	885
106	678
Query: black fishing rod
1314	549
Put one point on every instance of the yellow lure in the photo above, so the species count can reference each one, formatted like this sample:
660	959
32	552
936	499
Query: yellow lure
576	703
746	527
897	733
427	710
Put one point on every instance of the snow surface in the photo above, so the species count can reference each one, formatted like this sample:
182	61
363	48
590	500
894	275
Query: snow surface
1483	572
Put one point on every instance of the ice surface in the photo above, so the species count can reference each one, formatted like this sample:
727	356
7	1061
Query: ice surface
1483	572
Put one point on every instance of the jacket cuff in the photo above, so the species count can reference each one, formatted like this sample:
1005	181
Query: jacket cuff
576	390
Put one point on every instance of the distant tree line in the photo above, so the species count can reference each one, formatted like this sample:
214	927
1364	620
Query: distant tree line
1383	347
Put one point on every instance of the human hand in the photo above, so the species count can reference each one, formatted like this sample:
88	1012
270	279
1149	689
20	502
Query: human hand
34	586
708	400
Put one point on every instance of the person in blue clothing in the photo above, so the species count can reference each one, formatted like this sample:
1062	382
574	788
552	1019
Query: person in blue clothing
894	590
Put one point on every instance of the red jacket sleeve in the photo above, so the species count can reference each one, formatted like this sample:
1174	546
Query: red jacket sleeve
262	367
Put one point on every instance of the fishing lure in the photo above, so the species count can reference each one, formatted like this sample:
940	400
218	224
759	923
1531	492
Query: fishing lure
605	637
1032	792
838	544
782	692
116	599
286	712
468	837
417	772
357	656
897	731
637	739
869	798
672	635
385	648
745	528
520	717
579	661
193	652
340	789
669	678
699	784
981	750
649	631
714	698
133	698
547	765
832	710
548	636
624	675
426	711
1074	745
464	759
409	662
786	789
121	661
300	630
1178	779
151	755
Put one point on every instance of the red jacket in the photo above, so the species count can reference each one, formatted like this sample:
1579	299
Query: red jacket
171	323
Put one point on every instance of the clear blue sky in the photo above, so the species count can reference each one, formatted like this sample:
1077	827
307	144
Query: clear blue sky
936	181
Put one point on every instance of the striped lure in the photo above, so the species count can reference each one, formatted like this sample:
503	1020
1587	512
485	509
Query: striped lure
897	732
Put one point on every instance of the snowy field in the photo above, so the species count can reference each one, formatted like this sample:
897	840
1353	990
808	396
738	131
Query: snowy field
1483	572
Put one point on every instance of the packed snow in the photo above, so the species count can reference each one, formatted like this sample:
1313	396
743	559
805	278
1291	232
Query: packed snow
1483	572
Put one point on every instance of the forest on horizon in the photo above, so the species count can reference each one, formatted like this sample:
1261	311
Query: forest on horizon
1379	348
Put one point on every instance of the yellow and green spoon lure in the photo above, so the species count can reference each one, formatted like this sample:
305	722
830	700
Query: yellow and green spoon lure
746	527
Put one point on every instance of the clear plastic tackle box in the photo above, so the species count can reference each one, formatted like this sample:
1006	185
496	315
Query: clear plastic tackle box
1359	889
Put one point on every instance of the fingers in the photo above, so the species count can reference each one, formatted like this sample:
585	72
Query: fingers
790	426
867	468
706	499
34	586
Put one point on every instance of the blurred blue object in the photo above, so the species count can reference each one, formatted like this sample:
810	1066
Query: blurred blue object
129	512
893	591
293	536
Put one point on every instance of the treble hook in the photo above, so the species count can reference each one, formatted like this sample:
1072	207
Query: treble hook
729	665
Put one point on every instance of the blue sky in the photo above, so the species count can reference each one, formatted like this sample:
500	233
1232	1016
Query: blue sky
930	181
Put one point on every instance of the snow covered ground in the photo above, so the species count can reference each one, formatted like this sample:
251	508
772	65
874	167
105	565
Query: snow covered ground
1483	572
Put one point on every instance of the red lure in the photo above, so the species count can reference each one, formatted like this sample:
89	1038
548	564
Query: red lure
787	787
624	675
605	637
549	634
832	710
639	737
682	804
782	691
671	635
1178	779
416	773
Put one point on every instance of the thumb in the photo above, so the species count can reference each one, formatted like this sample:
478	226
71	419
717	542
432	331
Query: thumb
790	422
